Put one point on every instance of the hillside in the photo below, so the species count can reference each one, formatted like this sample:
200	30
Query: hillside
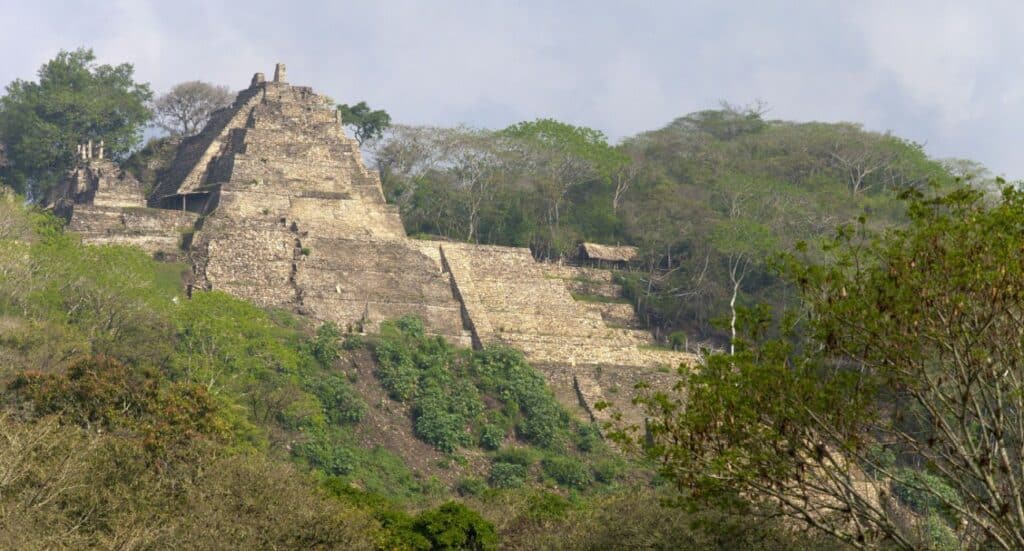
272	203
709	199
525	338
209	418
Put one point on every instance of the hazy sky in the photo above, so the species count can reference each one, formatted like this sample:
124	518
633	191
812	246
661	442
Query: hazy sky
950	75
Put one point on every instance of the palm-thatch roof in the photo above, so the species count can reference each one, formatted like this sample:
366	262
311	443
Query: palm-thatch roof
609	253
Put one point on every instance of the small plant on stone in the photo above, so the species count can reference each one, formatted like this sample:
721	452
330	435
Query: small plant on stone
352	341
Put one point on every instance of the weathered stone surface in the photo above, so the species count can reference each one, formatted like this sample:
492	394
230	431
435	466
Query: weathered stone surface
511	299
158	232
292	218
106	205
96	182
297	221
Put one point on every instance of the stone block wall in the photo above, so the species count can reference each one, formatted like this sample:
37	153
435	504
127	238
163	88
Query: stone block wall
95	182
511	299
297	221
158	232
300	223
106	205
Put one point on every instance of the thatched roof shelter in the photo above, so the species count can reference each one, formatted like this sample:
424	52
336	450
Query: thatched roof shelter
608	253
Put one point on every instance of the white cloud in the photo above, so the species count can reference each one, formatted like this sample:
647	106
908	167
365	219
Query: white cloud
945	73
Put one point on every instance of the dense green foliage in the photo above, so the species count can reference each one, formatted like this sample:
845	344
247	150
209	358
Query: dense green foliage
898	397
488	398
445	387
453	526
131	415
74	101
709	199
367	124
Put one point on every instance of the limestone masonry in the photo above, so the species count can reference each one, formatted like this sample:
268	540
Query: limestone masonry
107	205
285	214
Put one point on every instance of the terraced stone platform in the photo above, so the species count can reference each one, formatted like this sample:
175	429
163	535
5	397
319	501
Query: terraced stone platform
290	217
106	205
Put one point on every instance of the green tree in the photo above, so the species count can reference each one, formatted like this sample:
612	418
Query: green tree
367	124
905	392
744	243
455	526
74	101
559	156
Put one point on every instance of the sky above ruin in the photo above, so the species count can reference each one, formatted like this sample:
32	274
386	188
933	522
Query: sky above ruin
945	74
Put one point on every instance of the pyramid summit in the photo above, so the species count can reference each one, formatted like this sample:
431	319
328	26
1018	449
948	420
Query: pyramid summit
285	214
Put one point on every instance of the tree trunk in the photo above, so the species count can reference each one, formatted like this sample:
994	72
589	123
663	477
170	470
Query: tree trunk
732	322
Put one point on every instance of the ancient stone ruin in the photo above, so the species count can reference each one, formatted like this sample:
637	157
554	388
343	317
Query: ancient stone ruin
107	205
286	214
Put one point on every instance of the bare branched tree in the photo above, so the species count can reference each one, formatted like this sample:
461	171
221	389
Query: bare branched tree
185	109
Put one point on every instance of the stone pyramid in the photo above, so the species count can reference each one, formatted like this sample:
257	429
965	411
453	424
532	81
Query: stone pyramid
292	218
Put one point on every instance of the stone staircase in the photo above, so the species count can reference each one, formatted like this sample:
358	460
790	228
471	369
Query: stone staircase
293	219
511	299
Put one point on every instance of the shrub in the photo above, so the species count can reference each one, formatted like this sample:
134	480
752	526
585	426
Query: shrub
505	372
352	341
547	506
567	471
101	392
516	456
588	438
471	487
915	488
445	385
324	346
677	339
938	535
436	425
303	412
543	424
396	370
326	454
455	526
420	369
491	437
341	403
608	470
507	475
411	326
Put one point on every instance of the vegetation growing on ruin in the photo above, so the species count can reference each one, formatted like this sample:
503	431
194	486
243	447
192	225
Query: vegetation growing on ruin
710	199
130	412
887	412
493	400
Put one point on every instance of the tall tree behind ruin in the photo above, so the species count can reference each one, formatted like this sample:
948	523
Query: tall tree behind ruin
75	100
185	108
367	124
